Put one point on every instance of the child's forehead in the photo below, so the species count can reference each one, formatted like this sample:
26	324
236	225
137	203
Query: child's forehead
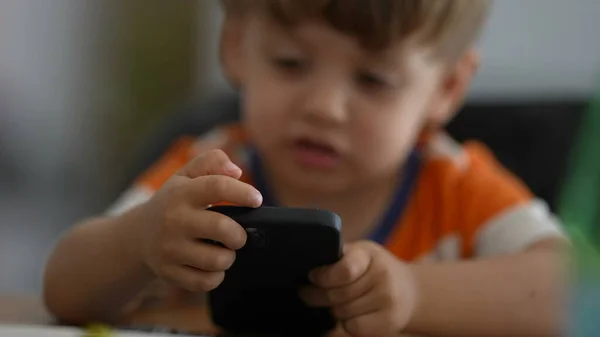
315	30
318	35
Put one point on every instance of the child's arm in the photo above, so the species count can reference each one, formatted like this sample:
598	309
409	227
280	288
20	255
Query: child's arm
95	270
372	293
102	264
518	295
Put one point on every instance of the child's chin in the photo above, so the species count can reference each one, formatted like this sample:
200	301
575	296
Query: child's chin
315	181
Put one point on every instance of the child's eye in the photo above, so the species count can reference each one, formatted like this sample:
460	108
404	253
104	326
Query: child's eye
288	63
371	80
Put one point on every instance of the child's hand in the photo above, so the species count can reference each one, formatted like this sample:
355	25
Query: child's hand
174	222
370	292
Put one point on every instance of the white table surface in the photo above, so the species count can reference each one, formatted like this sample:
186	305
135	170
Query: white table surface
47	331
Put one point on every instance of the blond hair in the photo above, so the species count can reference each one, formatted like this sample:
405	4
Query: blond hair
451	26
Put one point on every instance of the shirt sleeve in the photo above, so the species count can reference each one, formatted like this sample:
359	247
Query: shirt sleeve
516	229
174	159
500	215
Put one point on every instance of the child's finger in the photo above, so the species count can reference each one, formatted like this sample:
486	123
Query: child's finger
215	226
362	305
367	325
203	256
214	189
315	297
352	266
192	279
321	297
212	162
352	291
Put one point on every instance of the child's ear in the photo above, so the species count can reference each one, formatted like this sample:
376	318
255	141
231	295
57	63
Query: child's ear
231	48
454	86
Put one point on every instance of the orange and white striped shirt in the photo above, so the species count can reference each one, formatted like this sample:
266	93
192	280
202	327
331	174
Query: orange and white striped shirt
456	202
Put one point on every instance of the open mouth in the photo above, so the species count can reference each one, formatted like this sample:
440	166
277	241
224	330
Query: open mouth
309	145
316	155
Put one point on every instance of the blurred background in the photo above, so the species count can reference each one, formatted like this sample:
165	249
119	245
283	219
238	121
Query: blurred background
84	82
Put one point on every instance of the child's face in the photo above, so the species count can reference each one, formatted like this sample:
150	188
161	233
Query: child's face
327	115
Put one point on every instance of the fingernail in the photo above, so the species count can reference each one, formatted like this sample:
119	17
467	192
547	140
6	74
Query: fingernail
312	276
257	198
232	168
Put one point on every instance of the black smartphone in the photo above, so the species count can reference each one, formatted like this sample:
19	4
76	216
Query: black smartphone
259	295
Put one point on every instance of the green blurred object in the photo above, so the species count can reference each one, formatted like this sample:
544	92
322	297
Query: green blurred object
156	63
580	200
579	210
150	52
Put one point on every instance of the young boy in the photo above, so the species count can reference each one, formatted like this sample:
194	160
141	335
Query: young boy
343	107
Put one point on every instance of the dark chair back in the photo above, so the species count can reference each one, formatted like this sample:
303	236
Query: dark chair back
531	139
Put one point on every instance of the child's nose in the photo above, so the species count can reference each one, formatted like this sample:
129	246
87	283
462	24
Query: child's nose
326	104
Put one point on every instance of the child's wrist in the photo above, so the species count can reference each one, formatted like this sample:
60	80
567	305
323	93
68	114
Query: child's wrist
416	319
131	226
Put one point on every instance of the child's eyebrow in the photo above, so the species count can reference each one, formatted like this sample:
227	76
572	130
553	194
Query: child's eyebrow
278	42
386	59
298	37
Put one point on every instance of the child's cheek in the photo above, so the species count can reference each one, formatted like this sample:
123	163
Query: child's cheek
380	147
